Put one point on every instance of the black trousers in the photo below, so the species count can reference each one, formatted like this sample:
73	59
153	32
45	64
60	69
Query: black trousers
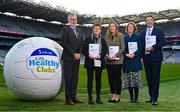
90	74
152	70
133	93
71	71
114	77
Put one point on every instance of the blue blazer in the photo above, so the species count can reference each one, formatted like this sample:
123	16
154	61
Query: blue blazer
156	55
135	63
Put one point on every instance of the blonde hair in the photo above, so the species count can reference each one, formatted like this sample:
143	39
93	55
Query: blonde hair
134	25
109	34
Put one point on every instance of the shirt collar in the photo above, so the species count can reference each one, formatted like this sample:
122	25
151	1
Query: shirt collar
73	27
150	28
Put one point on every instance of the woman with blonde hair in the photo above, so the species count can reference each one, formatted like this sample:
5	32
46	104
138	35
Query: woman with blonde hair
132	62
114	60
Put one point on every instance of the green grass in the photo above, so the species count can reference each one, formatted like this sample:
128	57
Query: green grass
169	95
169	100
1	76
168	72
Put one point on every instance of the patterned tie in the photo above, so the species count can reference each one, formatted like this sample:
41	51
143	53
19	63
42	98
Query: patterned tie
74	30
149	32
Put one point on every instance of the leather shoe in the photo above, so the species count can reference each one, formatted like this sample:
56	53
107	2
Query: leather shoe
111	101
154	103
116	101
77	100
148	101
99	101
69	101
90	102
136	101
131	101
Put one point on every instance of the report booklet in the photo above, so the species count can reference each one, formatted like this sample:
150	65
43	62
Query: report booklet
150	41
132	47
94	49
113	50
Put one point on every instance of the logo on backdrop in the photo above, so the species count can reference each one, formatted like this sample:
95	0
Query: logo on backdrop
43	63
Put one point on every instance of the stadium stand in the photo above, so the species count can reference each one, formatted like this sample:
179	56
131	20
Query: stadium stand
14	28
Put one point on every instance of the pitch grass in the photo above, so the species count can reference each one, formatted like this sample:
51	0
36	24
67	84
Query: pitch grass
168	72
169	100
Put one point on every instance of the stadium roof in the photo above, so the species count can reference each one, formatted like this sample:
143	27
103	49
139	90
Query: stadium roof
44	11
37	11
169	14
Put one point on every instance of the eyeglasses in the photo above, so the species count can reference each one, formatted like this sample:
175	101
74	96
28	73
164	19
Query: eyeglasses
73	19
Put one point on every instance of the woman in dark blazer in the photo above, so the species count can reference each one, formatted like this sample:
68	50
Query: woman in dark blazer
95	38
132	62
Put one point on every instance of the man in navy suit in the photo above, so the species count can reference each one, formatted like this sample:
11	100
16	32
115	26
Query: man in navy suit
72	41
152	57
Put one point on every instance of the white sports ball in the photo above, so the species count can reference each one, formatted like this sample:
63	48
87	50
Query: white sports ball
32	69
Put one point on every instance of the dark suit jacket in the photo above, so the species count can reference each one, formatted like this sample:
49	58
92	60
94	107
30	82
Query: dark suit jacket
156	55
89	63
71	43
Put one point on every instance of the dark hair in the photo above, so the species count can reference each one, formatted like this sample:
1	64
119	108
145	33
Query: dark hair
96	24
150	17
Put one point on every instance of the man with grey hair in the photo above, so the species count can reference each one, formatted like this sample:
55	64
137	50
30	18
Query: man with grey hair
72	41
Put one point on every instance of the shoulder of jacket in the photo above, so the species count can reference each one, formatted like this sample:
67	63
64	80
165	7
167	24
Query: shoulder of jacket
144	30
120	34
65	28
79	29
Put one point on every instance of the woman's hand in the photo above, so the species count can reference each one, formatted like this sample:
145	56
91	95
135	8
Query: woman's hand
130	55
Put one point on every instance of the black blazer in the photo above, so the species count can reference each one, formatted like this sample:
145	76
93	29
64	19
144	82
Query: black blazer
89	63
156	55
71	43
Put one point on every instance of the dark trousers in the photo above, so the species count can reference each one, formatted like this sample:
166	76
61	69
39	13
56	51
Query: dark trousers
152	70
114	77
133	93
90	74
71	70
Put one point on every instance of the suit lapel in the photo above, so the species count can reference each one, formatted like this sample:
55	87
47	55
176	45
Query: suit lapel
72	32
79	37
153	31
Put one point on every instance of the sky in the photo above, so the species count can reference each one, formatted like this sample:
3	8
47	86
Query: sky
105	8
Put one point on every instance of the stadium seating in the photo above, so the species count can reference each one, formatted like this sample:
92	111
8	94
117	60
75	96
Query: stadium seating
30	27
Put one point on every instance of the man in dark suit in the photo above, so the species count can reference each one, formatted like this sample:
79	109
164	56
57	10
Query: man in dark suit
72	41
152	57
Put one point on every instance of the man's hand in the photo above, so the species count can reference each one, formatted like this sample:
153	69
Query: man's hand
77	56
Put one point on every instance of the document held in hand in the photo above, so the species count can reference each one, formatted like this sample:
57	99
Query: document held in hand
94	49
113	50
97	63
150	41
132	47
